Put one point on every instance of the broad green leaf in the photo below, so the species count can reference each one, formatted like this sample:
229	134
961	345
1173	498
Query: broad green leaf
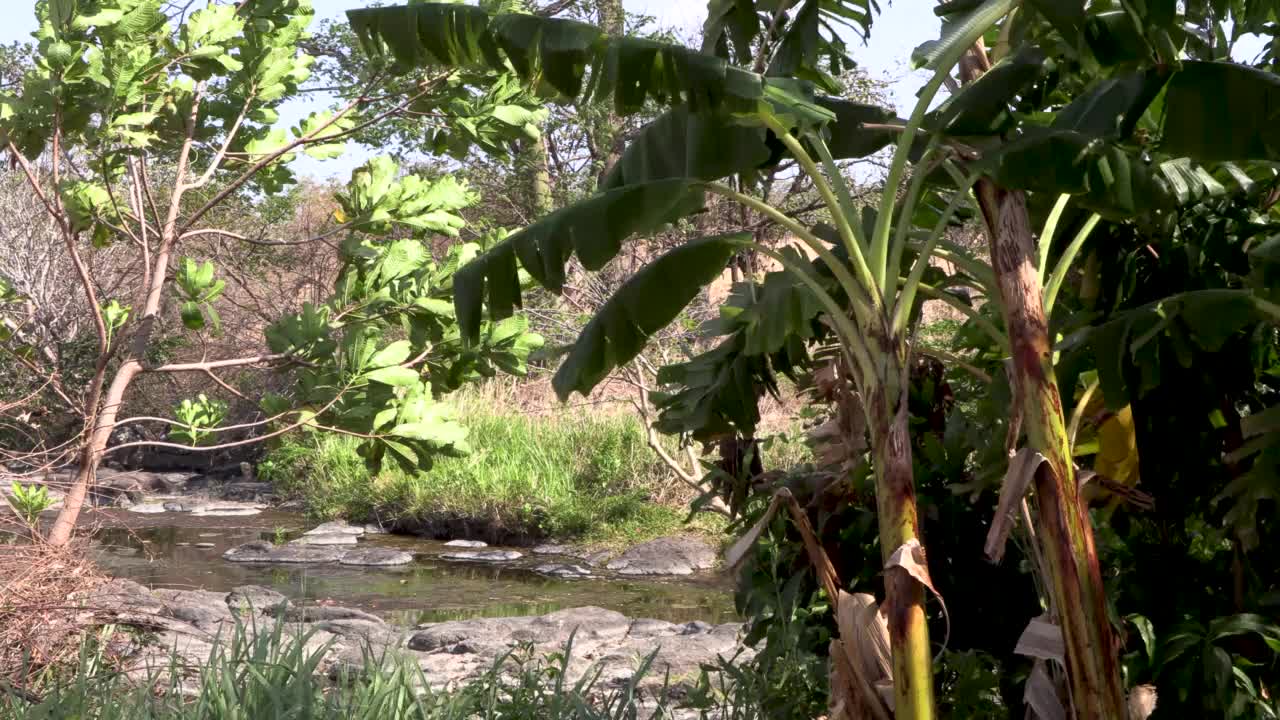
1196	99
393	354
594	229
394	375
646	303
191	316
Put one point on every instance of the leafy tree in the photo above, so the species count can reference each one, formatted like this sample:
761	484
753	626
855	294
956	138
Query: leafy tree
135	130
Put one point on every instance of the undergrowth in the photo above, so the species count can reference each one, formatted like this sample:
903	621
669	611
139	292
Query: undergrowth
587	477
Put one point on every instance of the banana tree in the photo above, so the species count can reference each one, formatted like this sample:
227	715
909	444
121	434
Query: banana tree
725	120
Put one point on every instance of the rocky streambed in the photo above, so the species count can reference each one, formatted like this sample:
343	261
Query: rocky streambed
188	623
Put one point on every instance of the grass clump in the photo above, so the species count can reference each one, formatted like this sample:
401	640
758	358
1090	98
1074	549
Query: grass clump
589	477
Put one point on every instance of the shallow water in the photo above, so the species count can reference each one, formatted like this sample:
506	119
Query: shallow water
161	551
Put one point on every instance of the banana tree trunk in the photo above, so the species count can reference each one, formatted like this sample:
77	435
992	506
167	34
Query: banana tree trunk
886	411
1092	666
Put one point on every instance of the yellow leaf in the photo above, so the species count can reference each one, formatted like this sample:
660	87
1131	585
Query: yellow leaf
340	216
1118	449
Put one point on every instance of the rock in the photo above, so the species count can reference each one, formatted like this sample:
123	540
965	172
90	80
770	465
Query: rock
226	510
174	507
676	555
326	613
149	508
337	527
376	557
255	599
205	545
261	551
246	491
372	529
553	549
563	570
466	544
203	609
483	555
333	539
483	635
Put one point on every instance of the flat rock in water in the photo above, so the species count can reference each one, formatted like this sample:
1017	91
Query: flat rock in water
326	613
261	551
563	570
149	508
466	543
483	555
676	555
174	507
376	557
204	545
226	510
337	527
247	491
553	549
332	539
256	599
371	529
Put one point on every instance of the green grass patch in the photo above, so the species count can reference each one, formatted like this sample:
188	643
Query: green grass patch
583	477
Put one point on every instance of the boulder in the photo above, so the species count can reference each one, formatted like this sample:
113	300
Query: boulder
467	543
489	556
255	599
203	609
247	491
376	557
676	555
261	551
149	508
327	613
226	509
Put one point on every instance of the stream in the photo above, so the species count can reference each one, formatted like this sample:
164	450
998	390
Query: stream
182	551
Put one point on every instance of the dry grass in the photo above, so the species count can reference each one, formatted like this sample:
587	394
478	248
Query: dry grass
39	626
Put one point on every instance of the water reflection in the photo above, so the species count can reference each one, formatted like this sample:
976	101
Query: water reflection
427	590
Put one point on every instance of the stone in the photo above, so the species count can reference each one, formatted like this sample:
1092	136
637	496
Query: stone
246	491
203	609
205	545
563	570
372	529
333	539
226	510
255	599
326	613
676	555
553	549
261	551
174	507
483	555
149	508
337	527
376	557
466	544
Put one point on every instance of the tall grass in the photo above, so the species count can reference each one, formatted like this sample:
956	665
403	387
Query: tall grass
588	476
273	676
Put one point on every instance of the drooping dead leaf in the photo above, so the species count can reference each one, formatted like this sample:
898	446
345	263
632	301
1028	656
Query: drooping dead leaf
1022	468
822	566
910	557
1043	695
1142	702
1042	639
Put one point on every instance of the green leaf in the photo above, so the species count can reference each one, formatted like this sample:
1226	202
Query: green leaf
1199	94
594	229
393	354
191	316
646	303
212	25
395	376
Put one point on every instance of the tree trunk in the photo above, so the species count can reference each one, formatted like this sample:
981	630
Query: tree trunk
1076	579
531	163
886	412
98	432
